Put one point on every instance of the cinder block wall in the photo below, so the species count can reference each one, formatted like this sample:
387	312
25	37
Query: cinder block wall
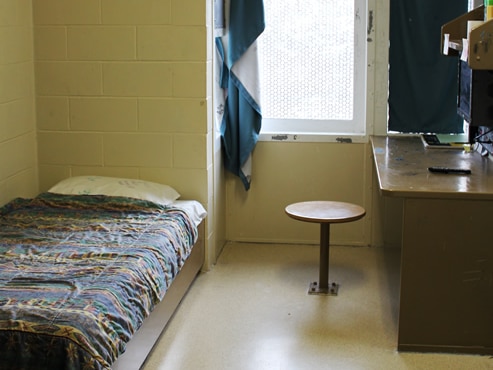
124	89
18	167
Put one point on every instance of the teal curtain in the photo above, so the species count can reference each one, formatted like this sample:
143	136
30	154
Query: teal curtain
242	118
422	81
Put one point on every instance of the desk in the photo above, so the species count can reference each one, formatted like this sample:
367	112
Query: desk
446	295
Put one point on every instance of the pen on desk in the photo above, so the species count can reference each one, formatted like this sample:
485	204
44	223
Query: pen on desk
447	170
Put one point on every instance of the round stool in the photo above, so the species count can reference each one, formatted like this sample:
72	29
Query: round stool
324	213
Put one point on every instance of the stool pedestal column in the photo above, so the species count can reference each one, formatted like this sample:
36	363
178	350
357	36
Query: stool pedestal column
324	213
323	287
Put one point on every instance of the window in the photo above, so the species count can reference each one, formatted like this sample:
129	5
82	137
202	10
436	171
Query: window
312	60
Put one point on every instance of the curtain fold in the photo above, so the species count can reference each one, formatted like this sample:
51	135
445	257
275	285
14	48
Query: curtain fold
242	117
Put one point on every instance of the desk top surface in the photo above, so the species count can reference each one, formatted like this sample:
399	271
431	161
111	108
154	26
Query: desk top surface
402	169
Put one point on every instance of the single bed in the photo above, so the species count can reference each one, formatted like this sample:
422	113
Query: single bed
83	266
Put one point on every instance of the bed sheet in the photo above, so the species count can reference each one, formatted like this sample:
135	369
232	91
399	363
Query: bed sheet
79	274
193	208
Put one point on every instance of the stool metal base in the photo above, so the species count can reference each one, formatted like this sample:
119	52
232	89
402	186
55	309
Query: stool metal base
315	289
324	213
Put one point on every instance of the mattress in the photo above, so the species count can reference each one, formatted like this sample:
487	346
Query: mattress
79	274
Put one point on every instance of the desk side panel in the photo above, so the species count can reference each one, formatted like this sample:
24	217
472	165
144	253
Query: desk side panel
446	299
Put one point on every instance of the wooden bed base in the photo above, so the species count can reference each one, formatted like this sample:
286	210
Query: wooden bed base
143	341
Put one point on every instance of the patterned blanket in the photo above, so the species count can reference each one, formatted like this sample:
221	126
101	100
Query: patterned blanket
79	274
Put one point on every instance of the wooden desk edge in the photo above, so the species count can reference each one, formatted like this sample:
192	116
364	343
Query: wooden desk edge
417	193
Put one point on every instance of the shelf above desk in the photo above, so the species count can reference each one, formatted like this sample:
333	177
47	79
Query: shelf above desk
479	52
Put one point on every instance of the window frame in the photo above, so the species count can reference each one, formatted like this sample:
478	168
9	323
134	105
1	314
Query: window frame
336	131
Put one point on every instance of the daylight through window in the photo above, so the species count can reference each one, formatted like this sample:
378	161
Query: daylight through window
312	58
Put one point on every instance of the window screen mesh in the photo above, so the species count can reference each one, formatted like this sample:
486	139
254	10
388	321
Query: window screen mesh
307	59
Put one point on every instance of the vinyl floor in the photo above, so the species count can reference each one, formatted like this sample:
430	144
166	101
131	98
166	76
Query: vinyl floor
252	312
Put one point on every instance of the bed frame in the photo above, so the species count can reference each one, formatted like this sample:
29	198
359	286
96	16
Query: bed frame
144	340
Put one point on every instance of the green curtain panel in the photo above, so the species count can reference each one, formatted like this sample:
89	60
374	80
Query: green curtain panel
422	81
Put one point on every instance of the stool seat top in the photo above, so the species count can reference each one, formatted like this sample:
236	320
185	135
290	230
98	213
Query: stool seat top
325	211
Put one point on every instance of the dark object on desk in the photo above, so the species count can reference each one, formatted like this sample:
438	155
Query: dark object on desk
453	171
434	141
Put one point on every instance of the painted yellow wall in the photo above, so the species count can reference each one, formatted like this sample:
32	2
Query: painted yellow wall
124	89
287	172
18	167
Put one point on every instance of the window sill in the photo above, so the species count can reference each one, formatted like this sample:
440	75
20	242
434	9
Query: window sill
313	137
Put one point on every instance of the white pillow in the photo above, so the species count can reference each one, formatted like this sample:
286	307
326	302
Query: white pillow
112	186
